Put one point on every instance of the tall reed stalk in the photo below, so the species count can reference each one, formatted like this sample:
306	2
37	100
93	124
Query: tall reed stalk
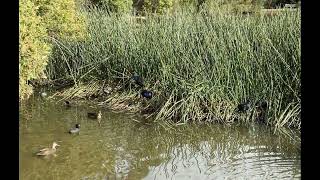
206	63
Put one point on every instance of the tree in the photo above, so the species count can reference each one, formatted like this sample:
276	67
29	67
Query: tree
40	19
157	6
118	6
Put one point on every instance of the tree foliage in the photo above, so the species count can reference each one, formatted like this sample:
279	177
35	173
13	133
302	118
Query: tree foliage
118	6
61	18
158	6
33	50
38	19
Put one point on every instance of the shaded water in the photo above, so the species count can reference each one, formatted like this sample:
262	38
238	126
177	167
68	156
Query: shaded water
122	148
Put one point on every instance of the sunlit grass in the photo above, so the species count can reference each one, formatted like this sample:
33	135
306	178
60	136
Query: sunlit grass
206	64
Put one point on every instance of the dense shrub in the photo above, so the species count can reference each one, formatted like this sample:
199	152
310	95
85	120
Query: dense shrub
38	19
119	6
61	18
158	6
33	50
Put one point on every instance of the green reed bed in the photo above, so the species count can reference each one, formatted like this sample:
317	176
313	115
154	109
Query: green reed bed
205	64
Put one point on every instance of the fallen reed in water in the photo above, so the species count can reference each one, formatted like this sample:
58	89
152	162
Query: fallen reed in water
206	64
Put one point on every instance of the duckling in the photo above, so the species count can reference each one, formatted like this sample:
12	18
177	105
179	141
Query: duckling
244	107
147	94
48	151
138	80
75	130
93	115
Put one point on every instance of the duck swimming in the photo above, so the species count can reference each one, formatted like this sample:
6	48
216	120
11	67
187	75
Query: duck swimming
48	151
75	129
93	115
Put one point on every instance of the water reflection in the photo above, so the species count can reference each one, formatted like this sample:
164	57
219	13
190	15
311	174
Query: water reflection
124	149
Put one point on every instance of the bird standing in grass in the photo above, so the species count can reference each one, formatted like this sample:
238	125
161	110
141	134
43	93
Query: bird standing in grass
138	80
146	94
244	107
262	108
68	104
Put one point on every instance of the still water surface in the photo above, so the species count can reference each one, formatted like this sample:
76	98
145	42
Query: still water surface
122	148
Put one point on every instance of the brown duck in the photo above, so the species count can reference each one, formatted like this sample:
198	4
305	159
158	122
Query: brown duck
48	151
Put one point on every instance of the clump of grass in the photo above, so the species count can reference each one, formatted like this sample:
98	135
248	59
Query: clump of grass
206	63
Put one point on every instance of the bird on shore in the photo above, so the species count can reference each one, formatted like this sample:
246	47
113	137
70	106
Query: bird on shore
94	115
262	105
138	80
244	107
262	108
146	94
48	151
75	130
67	103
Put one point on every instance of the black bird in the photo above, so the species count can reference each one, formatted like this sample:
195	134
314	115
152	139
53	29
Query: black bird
243	107
67	103
138	80
262	105
262	108
75	130
147	94
30	82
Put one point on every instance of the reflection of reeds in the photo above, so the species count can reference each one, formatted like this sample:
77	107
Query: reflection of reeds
169	148
139	149
206	63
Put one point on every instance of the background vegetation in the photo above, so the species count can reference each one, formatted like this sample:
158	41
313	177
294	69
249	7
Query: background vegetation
206	63
39	21
200	61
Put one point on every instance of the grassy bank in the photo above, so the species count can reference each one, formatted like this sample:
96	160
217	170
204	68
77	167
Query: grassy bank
204	64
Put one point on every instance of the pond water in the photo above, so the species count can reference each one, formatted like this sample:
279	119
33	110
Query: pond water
122	148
